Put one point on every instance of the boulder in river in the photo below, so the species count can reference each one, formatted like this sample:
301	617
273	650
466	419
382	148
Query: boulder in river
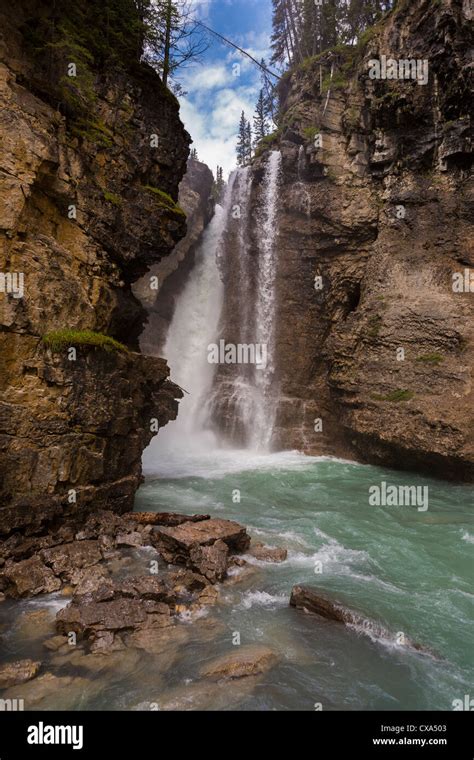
245	661
176	544
314	601
267	553
18	672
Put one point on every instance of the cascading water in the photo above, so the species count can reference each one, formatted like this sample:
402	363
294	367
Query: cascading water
265	312
245	391
193	328
244	395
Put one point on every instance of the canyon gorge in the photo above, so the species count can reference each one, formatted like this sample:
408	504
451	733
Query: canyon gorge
288	351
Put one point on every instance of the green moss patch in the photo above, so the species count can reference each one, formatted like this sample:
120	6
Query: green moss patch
58	340
112	198
395	397
431	359
164	200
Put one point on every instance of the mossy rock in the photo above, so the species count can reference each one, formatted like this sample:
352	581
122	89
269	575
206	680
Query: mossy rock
165	200
58	340
431	359
395	397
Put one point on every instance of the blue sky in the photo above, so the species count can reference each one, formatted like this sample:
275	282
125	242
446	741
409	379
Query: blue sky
216	95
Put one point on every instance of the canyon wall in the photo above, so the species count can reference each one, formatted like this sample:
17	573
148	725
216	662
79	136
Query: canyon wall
374	347
87	205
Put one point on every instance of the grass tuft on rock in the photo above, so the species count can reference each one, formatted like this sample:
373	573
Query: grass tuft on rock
395	397
58	340
164	200
431	359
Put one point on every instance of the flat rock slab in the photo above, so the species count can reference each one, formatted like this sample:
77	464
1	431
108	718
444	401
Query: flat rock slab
119	614
166	519
245	661
18	672
183	538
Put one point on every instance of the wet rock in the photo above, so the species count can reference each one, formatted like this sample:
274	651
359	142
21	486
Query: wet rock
175	544
245	661
146	587
49	692
267	553
165	644
35	624
84	619
205	695
2	597
105	642
312	600
18	672
29	578
74	556
133	539
88	579
209	596
211	561
184	581
166	519
55	643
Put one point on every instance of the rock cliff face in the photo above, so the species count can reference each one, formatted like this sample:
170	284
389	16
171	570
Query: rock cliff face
85	209
159	289
372	338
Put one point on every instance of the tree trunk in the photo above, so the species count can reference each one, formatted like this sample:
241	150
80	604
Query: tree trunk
167	52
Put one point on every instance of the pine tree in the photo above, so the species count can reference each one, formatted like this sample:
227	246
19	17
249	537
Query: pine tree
248	143
242	141
260	123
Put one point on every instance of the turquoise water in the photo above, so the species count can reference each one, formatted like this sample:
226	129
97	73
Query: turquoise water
409	571
404	571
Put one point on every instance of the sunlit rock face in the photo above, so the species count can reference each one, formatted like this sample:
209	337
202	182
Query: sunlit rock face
82	218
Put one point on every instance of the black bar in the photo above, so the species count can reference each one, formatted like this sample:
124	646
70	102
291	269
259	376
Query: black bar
137	734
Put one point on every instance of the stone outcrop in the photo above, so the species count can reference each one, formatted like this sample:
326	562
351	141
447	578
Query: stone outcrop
374	348
203	546
87	205
316	602
171	274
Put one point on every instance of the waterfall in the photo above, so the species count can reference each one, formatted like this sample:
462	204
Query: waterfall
265	312
194	326
244	396
237	252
